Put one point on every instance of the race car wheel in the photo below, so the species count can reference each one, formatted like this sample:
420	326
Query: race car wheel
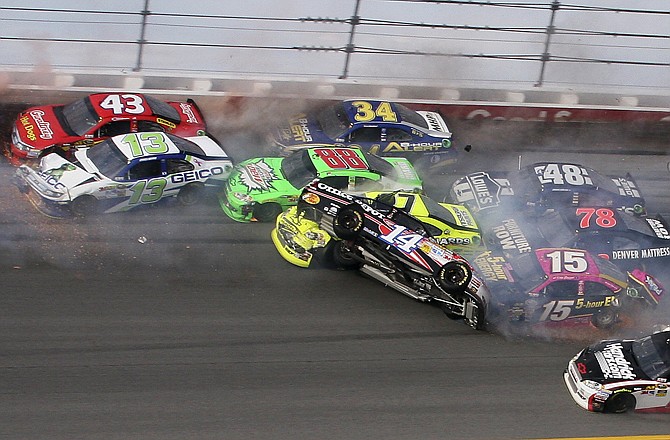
84	205
190	194
343	256
348	222
454	276
605	318
267	212
620	403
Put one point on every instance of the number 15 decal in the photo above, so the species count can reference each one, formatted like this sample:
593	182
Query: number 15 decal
563	260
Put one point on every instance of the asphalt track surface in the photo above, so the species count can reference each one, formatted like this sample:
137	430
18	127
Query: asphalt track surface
173	323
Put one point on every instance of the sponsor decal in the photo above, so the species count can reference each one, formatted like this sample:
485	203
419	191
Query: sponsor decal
311	198
166	123
53	175
655	252
187	110
258	176
454	241
659	229
463	216
485	189
28	127
510	236
197	175
613	363
300	129
632	254
392	147
492	268
626	187
43	126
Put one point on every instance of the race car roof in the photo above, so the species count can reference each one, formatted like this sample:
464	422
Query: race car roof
138	105
146	144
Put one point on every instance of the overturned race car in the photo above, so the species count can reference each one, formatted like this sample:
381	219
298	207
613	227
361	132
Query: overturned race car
384	243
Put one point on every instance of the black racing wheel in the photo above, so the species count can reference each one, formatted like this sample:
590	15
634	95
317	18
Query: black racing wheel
348	222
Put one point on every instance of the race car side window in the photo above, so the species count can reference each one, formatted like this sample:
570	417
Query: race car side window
397	135
365	134
149	126
114	128
363	184
174	166
339	182
561	289
145	170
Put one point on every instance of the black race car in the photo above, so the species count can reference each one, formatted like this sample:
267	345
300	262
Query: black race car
620	375
627	240
389	245
544	186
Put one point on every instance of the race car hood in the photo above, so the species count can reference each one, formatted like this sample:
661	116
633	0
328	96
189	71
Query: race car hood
260	178
40	127
481	190
300	129
61	173
609	361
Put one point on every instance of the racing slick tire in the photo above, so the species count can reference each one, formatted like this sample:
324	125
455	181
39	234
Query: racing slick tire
348	222
605	318
342	256
267	212
620	403
190	194
84	205
454	276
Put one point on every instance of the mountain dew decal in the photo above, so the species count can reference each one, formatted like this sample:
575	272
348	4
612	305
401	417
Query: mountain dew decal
258	176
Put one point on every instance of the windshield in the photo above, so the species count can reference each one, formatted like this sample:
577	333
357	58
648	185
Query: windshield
528	272
80	116
162	109
410	116
298	169
107	158
556	231
438	211
652	354
379	165
333	120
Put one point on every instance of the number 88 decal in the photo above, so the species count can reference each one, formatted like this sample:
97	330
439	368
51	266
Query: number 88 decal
341	158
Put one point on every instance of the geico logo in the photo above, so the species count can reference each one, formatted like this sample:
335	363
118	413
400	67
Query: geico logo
192	176
334	191
51	180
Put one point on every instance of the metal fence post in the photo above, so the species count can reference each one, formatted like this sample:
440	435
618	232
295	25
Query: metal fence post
547	42
355	20
145	14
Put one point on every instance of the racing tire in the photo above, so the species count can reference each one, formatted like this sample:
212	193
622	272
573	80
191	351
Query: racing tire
348	222
84	205
454	276
342	256
620	403
605	318
267	212
190	194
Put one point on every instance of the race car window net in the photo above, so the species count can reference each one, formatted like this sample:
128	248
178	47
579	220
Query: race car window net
162	109
333	120
80	116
